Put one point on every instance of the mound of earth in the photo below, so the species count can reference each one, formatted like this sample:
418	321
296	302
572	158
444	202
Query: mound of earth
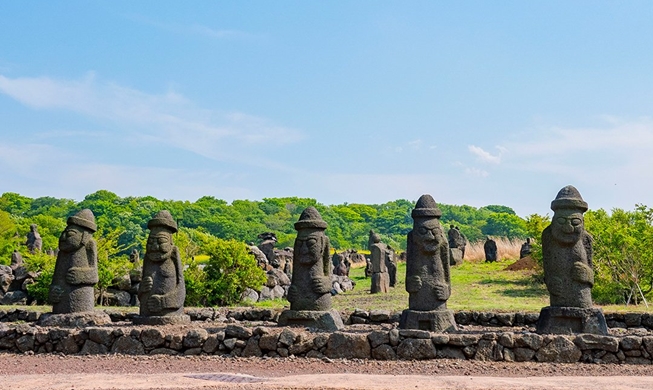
525	263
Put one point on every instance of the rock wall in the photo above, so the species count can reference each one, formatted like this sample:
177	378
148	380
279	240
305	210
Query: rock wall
271	341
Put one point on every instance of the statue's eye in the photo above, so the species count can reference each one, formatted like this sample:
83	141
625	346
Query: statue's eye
311	242
561	220
422	230
576	221
163	240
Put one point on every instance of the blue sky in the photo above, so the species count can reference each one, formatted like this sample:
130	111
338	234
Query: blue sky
344	101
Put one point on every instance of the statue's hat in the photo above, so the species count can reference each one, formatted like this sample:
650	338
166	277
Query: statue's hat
310	218
85	219
163	219
426	208
569	198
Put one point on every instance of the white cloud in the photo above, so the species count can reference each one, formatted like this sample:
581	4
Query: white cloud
484	155
476	172
167	118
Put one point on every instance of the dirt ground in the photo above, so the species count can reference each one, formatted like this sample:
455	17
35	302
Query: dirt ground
212	372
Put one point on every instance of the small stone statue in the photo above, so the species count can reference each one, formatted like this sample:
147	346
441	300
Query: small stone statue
162	290
75	270
391	264
526	248
378	253
34	241
16	259
428	280
490	249
568	273
268	241
461	242
310	291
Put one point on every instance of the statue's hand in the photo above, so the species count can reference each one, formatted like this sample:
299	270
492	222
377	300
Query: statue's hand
146	284
413	284
293	293
73	275
554	285
155	303
55	294
322	284
582	273
442	291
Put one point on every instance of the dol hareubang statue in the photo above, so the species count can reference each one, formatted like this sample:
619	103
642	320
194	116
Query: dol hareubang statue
310	290
75	275
428	280
162	290
568	273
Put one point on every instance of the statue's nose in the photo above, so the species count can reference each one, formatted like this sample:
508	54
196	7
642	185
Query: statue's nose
567	228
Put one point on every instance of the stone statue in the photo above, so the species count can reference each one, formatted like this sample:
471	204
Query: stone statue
34	240
457	243
162	290
268	241
310	290
525	248
428	280
378	253
461	241
391	264
75	270
568	273
16	259
490	249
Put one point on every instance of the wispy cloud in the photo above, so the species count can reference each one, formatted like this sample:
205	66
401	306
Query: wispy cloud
167	118
485	156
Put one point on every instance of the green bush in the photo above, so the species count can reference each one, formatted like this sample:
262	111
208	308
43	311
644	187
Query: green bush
229	271
44	265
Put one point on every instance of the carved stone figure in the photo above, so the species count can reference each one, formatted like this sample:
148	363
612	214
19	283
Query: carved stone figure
341	264
378	253
526	249
461	242
268	241
162	290
34	241
428	280
490	249
310	290
16	259
75	271
568	273
391	264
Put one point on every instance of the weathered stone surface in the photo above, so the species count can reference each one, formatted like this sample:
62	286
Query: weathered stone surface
414	334
455	256
92	348
440	339
378	253
490	249
418	349
25	343
448	352
463	340
128	346
17	297
559	350
301	347
163	351
570	320
195	338
268	342
507	339
75	320
629	343
323	320
348	345
211	344
593	341
237	331
523	354
378	337
68	346
162	290
252	348
441	320
310	289
34	241
384	352
152	338
287	337
380	315
75	270
529	340
488	350
230	343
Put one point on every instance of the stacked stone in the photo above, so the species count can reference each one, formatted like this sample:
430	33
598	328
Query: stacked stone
378	254
14	280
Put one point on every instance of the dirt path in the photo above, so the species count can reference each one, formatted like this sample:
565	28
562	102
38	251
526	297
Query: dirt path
210	372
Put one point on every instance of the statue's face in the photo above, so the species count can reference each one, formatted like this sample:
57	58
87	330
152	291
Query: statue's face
567	226
308	245
71	239
426	234
159	245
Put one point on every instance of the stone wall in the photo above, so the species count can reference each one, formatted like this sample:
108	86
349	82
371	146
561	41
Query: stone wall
358	316
271	341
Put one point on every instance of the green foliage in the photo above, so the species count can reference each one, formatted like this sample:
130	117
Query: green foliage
535	225
230	270
111	264
504	225
44	265
623	254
